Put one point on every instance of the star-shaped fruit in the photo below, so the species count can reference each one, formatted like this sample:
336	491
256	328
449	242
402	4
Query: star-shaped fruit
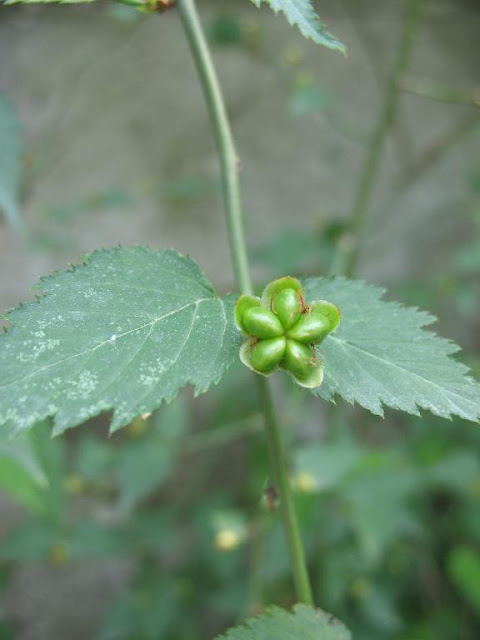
281	331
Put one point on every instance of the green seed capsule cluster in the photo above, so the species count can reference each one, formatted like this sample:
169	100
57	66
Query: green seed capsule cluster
281	331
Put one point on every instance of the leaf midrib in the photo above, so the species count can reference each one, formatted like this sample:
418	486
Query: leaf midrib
105	342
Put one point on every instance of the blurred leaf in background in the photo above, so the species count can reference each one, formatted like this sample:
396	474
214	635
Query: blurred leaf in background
296	251
225	31
464	570
94	203
21	475
142	465
306	96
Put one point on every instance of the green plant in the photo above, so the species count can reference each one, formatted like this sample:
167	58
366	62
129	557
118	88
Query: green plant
130	327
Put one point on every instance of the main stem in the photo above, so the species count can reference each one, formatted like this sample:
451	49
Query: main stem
224	140
281	479
385	119
231	193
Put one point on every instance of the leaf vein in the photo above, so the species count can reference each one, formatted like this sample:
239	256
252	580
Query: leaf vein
101	344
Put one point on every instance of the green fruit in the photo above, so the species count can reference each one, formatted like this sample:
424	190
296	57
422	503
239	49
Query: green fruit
329	310
312	328
287	305
243	303
266	354
261	323
282	331
279	285
299	359
313	380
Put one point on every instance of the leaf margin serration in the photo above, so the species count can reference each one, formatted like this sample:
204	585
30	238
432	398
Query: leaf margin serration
318	34
44	286
422	319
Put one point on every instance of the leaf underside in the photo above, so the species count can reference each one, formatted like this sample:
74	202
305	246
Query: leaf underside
123	332
381	356
304	623
300	13
9	164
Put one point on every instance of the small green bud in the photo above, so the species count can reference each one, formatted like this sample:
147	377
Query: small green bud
261	323
312	328
287	305
299	359
267	354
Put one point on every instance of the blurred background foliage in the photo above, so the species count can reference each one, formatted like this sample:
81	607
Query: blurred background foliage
169	529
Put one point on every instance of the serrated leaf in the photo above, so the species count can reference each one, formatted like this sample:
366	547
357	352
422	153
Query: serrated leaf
123	332
304	623
381	356
9	164
300	13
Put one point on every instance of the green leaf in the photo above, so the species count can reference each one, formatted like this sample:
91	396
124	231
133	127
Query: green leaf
9	164
143	465
377	497
94	457
152	611
464	570
20	476
123	332
30	541
304	623
459	472
21	451
94	540
52	457
381	355
17	483
300	13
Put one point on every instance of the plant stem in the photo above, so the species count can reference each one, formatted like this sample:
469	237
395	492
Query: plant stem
282	483
384	122
231	191
223	138
441	93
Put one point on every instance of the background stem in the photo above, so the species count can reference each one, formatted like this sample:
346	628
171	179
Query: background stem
385	119
231	192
